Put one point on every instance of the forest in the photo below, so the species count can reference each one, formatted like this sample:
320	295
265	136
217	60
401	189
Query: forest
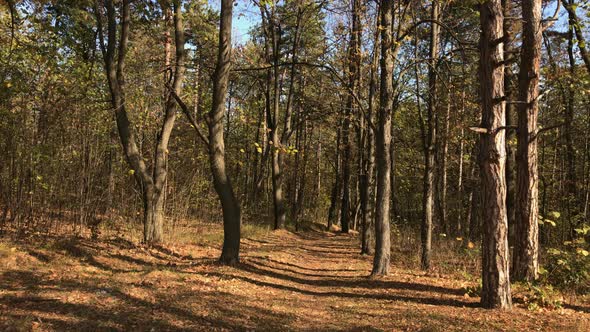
294	165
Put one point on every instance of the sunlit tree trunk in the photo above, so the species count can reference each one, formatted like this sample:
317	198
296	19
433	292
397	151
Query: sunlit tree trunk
430	144
526	247
229	203
495	255
382	234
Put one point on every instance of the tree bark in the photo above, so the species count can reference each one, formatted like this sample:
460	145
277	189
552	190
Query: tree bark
526	247
229	203
510	121
368	185
354	59
495	255
382	233
430	143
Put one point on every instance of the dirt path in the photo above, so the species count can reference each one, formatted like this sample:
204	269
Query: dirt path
286	281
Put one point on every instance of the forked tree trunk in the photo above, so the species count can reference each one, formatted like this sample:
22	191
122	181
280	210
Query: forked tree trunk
526	247
382	233
495	255
114	51
229	203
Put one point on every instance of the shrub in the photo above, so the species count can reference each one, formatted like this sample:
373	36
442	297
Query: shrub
568	268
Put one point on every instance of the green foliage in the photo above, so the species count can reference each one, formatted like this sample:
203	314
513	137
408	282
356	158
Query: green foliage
536	296
568	267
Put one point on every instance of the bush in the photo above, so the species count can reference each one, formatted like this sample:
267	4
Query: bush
568	268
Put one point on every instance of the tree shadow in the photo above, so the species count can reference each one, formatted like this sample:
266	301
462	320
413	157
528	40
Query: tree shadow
130	312
360	282
341	294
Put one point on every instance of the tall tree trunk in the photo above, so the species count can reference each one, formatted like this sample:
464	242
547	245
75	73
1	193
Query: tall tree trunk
430	144
570	151
354	61
444	152
368	185
495	255
382	233
280	213
153	185
526	247
336	187
229	203
510	121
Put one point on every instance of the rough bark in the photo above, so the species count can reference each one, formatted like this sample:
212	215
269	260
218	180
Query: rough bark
495	255
510	121
229	203
430	144
526	247
354	59
368	185
382	234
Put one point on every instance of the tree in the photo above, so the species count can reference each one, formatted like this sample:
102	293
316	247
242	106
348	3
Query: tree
354	73
526	247
492	159
230	206
383	139
114	48
430	140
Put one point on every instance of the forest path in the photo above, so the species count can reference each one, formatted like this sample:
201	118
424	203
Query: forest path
309	281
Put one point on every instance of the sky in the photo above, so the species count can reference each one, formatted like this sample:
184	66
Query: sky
245	16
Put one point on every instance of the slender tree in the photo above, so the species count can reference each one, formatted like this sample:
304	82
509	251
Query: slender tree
114	47
526	247
354	68
492	159
382	236
229	203
430	142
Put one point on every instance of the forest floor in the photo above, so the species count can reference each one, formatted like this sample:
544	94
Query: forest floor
311	281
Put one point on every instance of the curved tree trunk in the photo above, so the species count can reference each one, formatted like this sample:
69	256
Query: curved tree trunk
114	52
229	203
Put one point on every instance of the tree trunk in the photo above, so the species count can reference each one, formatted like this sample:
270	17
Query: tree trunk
368	182
336	187
510	121
354	62
570	153
577	27
495	255
430	144
229	204
526	247
382	234
153	185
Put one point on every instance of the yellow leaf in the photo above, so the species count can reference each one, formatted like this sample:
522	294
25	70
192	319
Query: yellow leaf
131	171
470	245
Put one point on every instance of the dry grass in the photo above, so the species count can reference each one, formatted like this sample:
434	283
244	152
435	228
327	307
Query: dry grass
287	281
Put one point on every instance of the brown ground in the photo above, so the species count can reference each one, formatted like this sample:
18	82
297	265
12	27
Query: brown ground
310	282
